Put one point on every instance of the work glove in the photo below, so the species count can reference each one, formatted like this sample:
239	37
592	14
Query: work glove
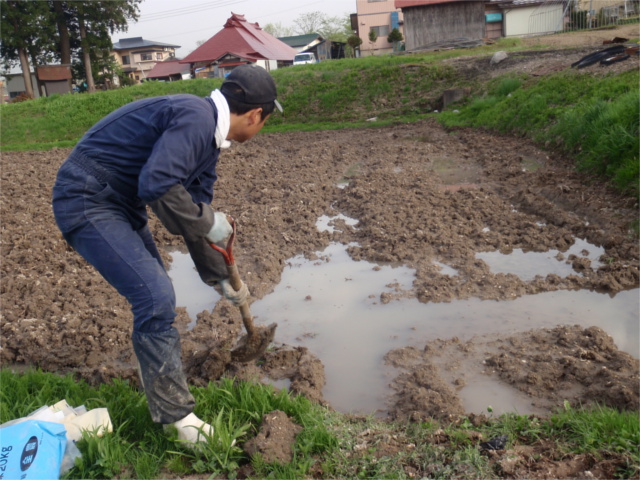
220	231
237	297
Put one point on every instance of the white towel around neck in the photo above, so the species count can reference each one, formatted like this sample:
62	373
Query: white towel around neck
224	119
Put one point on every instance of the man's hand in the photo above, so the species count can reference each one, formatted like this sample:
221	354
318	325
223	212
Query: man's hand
221	229
237	297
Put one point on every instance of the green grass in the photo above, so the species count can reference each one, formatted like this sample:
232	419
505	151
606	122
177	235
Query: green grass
138	448
331	445
594	119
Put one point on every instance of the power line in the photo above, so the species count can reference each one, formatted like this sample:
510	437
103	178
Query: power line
187	10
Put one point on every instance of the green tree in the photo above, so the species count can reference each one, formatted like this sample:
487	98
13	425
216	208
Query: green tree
278	30
354	41
373	37
394	38
309	23
96	21
26	36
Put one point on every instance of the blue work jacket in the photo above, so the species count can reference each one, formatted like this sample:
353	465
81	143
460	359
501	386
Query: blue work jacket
151	145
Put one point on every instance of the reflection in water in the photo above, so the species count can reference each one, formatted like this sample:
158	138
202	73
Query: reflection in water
333	307
527	265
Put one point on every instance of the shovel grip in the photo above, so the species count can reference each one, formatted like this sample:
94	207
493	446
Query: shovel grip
236	283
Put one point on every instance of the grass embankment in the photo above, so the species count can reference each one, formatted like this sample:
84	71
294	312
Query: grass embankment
595	119
330	445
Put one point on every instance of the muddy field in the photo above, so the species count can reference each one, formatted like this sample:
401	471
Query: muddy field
421	194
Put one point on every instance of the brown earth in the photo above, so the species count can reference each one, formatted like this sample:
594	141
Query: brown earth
420	193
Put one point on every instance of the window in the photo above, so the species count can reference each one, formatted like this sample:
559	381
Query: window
126	60
381	31
159	56
146	57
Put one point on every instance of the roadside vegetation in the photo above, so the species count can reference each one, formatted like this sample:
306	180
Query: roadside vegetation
594	119
330	445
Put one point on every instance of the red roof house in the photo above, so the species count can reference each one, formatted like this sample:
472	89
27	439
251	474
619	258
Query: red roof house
239	42
169	71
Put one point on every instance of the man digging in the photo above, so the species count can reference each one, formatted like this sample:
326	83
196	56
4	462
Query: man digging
160	152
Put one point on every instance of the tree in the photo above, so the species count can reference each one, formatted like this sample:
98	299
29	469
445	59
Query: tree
333	29
309	23
394	38
354	41
96	21
278	30
373	37
26	33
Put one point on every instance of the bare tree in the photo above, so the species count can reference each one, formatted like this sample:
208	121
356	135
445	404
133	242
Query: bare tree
309	23
278	30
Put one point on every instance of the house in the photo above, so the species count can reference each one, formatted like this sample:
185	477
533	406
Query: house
382	16
169	71
313	42
16	87
55	78
430	22
138	56
303	43
239	42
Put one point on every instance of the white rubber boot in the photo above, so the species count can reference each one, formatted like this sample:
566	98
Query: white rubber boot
191	429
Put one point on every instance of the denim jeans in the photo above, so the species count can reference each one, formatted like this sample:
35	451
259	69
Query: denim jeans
110	231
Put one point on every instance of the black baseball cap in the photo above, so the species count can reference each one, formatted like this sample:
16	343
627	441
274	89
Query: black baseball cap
256	86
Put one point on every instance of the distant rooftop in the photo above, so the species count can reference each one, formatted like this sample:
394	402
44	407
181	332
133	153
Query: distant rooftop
300	40
138	42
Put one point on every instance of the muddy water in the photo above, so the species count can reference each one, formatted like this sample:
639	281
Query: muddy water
332	306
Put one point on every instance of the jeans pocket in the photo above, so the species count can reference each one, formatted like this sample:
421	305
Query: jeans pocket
72	201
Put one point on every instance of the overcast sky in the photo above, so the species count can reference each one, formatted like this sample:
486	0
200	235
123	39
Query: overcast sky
187	22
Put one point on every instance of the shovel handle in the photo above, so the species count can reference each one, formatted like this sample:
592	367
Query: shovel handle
236	283
234	276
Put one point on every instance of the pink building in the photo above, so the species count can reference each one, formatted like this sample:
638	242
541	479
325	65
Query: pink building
381	16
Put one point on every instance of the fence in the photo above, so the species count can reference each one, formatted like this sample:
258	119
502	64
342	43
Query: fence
553	16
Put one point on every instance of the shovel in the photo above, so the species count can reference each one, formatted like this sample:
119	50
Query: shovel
257	340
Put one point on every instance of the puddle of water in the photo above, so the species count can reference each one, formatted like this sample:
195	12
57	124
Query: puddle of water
527	265
191	292
333	308
326	223
446	269
456	171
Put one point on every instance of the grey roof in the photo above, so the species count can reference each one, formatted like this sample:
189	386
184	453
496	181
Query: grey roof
138	42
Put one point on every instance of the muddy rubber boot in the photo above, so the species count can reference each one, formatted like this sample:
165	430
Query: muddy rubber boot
163	379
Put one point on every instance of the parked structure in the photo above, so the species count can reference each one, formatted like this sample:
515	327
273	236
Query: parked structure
435	21
16	87
138	56
239	42
316	44
382	16
169	71
55	79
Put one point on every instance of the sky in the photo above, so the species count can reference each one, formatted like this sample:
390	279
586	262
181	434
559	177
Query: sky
188	22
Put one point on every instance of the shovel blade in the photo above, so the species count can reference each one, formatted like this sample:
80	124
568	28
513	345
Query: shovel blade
251	347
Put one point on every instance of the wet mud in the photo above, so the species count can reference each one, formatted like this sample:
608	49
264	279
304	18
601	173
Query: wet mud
421	195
